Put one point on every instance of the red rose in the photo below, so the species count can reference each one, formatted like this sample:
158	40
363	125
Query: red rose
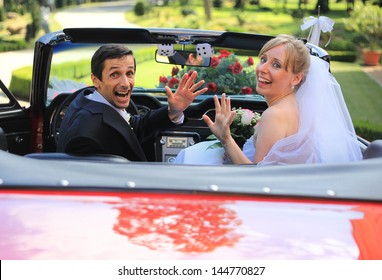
163	79
224	53
214	61
173	81
212	87
174	71
250	61
236	68
246	90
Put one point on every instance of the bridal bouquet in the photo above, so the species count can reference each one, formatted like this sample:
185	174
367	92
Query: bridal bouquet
242	126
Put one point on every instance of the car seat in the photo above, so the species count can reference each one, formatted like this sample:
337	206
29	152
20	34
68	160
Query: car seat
374	150
3	141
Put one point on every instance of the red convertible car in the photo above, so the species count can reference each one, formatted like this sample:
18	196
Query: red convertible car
62	206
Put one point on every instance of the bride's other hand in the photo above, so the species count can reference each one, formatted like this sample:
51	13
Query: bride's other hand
223	119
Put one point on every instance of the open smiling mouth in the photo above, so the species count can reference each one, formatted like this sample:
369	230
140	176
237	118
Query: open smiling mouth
121	93
261	80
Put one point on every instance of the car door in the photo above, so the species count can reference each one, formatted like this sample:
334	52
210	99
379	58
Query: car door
14	123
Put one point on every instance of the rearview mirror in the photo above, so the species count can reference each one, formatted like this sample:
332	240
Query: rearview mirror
184	58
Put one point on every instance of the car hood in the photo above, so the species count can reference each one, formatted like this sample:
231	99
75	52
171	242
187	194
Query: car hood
96	225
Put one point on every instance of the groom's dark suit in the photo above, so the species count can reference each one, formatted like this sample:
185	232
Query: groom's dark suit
90	127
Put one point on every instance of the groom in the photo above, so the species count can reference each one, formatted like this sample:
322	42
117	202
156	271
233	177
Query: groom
96	122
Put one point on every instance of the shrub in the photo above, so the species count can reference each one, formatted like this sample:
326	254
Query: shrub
217	3
367	131
139	8
183	2
21	82
187	12
2	14
345	56
341	45
366	20
34	27
6	46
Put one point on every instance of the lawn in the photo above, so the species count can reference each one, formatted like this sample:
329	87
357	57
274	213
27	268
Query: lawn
362	94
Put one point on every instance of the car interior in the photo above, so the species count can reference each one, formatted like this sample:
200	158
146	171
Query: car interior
163	147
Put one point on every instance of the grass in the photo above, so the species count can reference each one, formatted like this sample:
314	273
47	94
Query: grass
362	94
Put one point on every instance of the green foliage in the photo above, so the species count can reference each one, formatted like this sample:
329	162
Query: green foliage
35	26
184	3
366	20
139	8
367	131
186	12
21	82
217	3
2	14
338	44
345	56
6	46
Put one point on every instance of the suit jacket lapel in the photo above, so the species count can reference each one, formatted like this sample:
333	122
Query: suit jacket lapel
113	119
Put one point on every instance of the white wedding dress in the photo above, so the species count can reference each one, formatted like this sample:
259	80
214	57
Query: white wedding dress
203	154
326	133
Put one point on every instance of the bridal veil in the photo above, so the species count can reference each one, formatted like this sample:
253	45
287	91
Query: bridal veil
326	133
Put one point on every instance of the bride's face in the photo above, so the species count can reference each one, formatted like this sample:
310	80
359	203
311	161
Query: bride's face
272	78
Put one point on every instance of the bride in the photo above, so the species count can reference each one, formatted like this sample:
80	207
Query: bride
306	121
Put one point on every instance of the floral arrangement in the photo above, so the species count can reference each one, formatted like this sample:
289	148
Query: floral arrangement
242	126
171	81
225	74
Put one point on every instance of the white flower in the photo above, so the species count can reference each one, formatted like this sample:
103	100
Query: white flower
242	127
247	116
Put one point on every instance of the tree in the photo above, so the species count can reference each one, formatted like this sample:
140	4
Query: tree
239	4
322	6
207	9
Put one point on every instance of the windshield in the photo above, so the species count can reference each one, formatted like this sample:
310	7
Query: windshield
230	71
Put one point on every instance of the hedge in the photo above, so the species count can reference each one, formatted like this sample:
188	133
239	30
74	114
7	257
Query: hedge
21	83
7	46
344	56
367	131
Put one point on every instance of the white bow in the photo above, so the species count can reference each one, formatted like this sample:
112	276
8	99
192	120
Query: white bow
323	24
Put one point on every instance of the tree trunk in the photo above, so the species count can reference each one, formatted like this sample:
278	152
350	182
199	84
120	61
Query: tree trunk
239	4
207	9
324	6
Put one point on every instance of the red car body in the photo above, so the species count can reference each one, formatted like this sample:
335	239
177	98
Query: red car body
56	206
104	225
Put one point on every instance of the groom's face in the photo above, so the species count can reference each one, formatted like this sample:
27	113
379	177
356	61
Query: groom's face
118	77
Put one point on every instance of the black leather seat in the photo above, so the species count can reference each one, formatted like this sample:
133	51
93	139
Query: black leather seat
3	140
374	150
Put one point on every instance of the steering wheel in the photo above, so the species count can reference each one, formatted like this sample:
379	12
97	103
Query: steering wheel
59	113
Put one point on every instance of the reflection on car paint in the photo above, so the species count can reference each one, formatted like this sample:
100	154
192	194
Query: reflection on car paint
158	226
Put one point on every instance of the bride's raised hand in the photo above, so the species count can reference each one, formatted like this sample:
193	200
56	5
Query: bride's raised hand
223	119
